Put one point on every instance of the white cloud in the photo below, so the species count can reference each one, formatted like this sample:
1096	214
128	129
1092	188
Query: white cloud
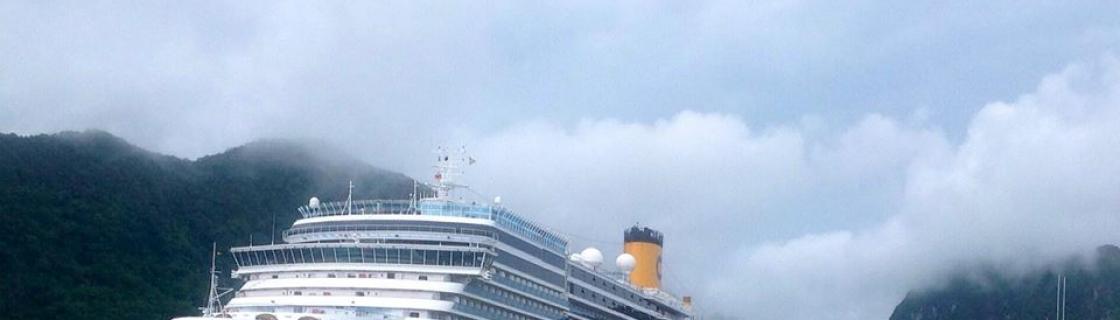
195	78
870	210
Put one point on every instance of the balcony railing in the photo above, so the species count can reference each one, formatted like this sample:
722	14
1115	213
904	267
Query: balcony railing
435	207
386	229
497	296
555	297
435	255
358	207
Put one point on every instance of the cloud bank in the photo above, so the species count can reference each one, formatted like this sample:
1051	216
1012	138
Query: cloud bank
195	78
868	211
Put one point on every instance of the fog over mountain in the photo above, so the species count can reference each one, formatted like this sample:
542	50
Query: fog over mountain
806	160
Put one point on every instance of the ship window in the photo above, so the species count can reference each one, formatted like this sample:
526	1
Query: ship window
370	255
297	293
431	257
391	275
444	258
393	256
360	294
330	275
413	314
422	277
275	276
307	255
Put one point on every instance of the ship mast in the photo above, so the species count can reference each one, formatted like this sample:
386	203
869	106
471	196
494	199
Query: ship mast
213	303
448	169
350	198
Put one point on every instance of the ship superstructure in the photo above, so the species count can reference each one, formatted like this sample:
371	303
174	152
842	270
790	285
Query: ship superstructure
434	257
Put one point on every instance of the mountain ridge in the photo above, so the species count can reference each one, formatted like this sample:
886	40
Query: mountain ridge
98	228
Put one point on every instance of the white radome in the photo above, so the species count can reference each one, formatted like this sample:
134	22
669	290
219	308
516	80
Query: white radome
625	262
592	256
313	203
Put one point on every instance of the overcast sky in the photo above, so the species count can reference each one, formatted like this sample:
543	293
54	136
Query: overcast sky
807	160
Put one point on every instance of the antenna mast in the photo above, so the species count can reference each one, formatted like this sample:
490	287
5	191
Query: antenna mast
273	234
213	304
1060	306
350	198
449	169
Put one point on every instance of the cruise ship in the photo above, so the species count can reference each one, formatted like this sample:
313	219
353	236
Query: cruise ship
441	257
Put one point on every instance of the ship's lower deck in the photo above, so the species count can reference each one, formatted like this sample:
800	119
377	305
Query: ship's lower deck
379	291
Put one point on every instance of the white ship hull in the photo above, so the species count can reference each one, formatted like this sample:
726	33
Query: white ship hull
431	258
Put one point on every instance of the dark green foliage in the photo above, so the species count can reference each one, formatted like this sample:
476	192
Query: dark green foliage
95	228
1093	292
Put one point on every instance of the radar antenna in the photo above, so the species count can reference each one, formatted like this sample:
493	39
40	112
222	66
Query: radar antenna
449	167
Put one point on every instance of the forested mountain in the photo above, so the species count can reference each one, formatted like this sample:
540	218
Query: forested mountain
96	228
1092	292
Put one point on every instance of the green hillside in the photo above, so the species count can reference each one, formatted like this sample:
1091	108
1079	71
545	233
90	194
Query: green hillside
96	228
1092	292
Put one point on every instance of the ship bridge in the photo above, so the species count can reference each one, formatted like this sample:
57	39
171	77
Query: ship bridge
334	219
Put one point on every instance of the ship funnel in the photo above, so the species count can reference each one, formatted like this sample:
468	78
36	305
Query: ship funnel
644	244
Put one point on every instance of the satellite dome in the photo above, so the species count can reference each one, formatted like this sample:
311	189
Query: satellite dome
313	203
625	262
592	256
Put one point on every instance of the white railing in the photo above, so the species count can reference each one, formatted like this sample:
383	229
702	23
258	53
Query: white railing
385	228
504	218
383	236
472	255
358	207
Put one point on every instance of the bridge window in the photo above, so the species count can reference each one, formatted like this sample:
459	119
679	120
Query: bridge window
364	255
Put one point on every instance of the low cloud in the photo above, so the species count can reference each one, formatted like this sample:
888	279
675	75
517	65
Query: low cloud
195	78
870	210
